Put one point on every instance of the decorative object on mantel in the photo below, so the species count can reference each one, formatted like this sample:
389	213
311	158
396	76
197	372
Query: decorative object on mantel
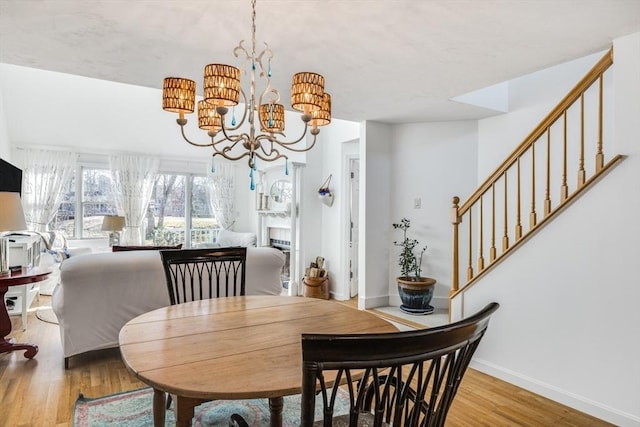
222	90
114	224
316	280
324	192
415	290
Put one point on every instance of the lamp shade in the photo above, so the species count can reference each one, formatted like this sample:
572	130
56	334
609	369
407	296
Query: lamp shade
208	118
112	223
11	213
306	92
178	95
222	85
322	117
271	117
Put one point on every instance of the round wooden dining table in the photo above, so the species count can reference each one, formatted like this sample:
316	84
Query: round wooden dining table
232	348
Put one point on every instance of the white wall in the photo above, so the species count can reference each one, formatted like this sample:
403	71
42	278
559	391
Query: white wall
568	323
334	150
432	162
531	98
375	214
5	144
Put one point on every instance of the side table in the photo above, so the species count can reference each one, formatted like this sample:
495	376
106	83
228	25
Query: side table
20	277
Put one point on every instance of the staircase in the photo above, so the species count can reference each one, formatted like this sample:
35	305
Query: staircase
556	163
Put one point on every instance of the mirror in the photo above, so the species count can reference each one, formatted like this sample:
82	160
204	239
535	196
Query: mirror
280	192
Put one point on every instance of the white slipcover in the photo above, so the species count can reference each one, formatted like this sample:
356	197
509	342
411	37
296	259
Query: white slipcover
98	293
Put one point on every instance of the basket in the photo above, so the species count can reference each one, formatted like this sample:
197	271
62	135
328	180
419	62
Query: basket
316	287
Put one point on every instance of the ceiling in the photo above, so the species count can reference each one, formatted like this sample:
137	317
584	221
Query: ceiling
394	61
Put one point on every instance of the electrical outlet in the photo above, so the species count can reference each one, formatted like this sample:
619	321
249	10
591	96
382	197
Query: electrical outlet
417	203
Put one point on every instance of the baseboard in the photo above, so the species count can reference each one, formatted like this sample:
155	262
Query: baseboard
579	403
373	302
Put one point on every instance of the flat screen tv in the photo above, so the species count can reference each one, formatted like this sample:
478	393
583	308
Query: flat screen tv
10	177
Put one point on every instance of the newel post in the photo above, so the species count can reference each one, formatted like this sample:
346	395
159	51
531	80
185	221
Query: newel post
455	220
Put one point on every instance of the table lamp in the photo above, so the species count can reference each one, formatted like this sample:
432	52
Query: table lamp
113	224
11	219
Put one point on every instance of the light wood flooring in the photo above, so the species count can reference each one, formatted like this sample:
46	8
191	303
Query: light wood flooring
40	392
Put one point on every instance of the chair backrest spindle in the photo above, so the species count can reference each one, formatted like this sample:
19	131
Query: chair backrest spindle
401	378
196	274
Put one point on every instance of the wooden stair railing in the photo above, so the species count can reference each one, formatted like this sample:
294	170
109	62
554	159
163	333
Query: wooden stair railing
535	173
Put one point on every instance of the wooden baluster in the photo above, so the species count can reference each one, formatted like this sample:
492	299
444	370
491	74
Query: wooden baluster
599	154
455	220
564	191
547	199
581	172
481	243
532	215
505	237
518	222
492	250
470	265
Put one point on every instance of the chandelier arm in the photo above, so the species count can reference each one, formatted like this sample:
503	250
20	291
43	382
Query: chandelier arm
270	139
230	147
184	136
244	113
228	157
285	144
269	157
298	150
234	139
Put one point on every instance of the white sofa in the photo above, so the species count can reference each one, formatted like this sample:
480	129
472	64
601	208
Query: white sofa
98	293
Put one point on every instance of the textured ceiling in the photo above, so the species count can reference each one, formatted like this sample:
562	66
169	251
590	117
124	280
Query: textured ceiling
394	61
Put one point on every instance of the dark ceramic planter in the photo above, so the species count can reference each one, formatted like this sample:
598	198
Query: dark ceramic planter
415	294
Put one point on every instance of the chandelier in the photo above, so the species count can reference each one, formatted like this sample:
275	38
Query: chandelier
222	90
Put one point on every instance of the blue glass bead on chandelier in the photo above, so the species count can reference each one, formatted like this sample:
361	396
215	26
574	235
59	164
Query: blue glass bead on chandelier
269	68
213	165
286	166
270	115
233	116
253	184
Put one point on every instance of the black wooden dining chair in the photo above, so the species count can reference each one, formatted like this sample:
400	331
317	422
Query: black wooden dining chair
400	378
196	274
404	379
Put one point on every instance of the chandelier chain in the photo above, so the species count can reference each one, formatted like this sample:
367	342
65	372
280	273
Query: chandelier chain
253	29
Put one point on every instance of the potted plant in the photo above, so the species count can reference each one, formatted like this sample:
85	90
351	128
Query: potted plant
415	290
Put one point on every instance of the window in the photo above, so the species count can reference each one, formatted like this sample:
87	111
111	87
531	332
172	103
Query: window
98	200
168	221
204	227
64	220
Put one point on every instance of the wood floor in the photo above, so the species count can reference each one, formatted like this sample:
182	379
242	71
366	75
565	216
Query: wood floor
40	392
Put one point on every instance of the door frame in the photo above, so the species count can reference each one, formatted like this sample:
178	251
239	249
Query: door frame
346	220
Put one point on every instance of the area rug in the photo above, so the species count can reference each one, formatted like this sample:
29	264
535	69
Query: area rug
46	314
135	409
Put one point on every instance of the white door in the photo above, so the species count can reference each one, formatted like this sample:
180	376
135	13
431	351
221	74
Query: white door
354	193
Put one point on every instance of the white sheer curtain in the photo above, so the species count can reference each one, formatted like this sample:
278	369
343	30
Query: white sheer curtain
133	177
222	184
44	174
